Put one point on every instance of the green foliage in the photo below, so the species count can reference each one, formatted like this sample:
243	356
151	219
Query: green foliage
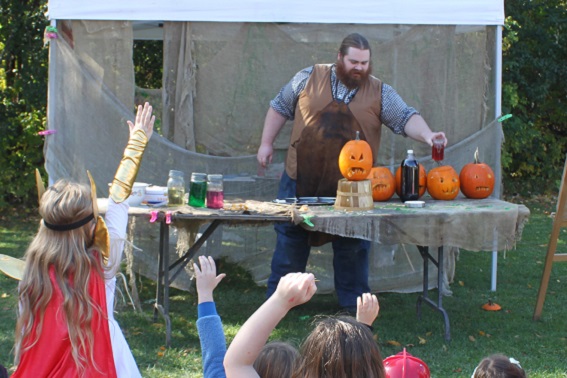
148	64
534	74
23	97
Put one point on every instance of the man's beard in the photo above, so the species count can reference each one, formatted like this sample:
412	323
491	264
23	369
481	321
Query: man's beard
353	78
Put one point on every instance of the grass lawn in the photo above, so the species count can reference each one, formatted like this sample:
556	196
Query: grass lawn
539	346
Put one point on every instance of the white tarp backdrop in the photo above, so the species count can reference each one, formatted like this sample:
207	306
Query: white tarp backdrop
225	60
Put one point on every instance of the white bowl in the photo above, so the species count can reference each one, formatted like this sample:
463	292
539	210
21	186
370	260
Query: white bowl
138	193
155	194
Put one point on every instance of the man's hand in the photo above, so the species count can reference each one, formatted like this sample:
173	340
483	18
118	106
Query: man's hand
207	279
367	308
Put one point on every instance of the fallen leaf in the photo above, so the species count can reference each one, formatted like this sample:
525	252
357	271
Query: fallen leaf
481	333
471	338
160	354
461	283
161	348
4	295
393	342
429	333
422	340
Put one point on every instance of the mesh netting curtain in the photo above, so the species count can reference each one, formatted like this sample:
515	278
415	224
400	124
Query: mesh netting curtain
218	81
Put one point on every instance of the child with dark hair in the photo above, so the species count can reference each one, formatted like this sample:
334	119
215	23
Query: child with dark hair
338	346
499	366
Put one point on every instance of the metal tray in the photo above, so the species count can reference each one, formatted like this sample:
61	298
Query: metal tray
311	201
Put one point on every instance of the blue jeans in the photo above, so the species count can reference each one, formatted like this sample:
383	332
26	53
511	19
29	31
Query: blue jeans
350	256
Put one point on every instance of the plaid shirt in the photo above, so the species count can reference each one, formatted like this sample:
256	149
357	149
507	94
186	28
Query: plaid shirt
395	113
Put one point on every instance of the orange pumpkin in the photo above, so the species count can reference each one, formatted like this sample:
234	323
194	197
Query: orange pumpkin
477	179
355	159
383	183
443	183
422	180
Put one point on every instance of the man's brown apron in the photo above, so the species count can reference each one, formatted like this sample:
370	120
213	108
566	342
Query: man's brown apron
317	142
318	173
318	158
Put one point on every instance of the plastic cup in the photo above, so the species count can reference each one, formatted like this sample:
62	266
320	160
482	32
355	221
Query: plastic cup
438	149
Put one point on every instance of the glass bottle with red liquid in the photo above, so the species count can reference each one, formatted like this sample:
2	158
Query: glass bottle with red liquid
215	192
438	149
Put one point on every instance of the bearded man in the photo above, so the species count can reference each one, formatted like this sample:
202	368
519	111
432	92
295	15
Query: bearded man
329	103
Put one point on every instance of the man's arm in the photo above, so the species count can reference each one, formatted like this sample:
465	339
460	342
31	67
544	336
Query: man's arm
417	129
272	125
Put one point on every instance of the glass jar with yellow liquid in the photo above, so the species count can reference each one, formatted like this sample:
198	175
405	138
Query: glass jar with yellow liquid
175	188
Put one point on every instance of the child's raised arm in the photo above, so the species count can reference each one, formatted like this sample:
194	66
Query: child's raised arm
293	289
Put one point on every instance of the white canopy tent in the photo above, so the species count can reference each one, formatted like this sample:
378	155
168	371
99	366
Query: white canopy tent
224	60
412	12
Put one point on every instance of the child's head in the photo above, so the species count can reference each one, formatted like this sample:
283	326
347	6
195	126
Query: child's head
498	366
276	360
340	347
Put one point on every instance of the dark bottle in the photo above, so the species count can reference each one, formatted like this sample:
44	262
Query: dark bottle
410	178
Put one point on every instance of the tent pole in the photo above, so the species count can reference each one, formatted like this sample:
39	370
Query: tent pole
498	111
51	85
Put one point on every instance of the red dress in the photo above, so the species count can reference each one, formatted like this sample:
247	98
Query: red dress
51	355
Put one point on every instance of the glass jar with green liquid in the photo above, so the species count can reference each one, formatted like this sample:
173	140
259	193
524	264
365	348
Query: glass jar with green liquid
198	189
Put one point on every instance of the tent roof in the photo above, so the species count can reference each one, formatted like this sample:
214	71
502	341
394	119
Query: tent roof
416	12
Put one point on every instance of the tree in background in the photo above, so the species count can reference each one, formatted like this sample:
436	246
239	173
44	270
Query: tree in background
23	97
534	92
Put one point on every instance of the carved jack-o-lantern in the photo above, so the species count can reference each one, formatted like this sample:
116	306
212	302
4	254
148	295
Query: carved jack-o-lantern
383	183
477	179
355	159
443	183
422	181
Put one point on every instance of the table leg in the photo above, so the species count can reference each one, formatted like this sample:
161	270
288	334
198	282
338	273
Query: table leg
162	294
165	279
159	289
192	251
424	251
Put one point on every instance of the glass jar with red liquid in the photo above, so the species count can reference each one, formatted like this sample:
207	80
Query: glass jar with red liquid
215	192
438	149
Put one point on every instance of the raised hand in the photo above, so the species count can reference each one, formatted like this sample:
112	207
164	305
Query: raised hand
207	279
144	120
296	288
367	308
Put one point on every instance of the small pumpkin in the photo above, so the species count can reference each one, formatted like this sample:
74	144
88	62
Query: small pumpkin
443	183
477	179
422	181
491	306
355	159
383	183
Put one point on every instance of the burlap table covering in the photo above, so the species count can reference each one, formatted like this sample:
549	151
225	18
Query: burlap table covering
477	225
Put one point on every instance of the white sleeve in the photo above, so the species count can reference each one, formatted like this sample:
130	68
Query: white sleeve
116	219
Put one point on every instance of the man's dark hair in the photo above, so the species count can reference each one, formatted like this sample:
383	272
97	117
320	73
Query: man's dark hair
354	40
